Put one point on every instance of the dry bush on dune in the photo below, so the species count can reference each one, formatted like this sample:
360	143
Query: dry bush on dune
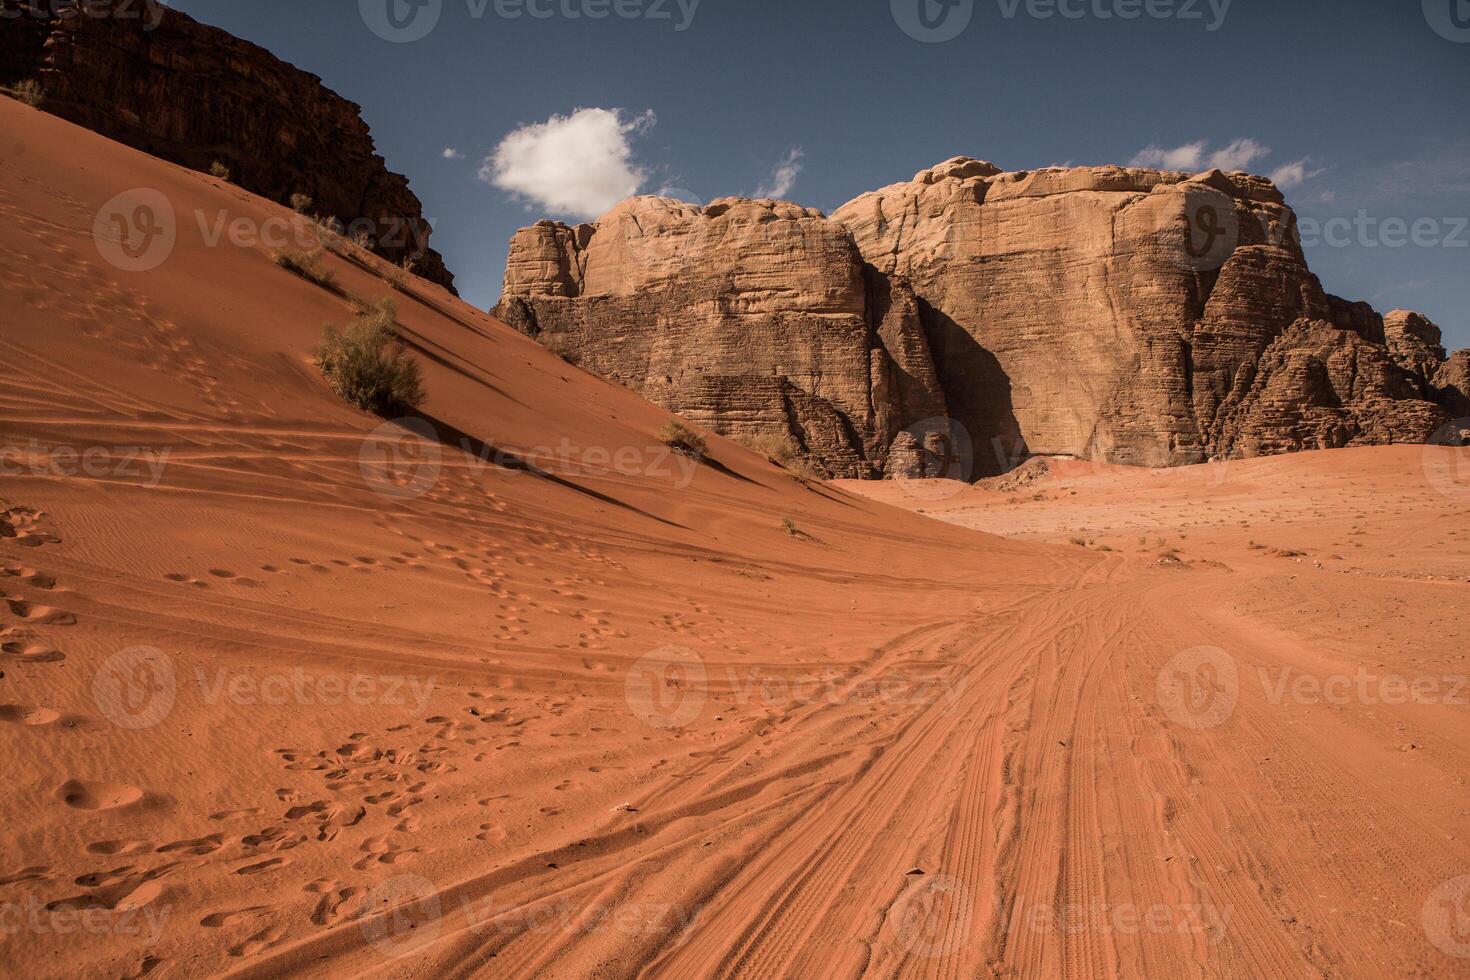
217	169
783	451
300	202
28	91
682	439
306	263
367	365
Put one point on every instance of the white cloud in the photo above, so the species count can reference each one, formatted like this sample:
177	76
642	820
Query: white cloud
578	165
1186	157
1238	155
1197	156
783	178
450	153
1293	174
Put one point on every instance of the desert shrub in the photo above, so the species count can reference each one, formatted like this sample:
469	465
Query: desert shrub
789	526
300	202
776	447
28	91
806	471
306	263
682	439
367	365
217	169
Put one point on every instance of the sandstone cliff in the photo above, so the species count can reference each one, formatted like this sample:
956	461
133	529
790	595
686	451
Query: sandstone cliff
156	79
751	317
1136	316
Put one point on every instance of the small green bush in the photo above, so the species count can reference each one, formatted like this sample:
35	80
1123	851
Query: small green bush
682	439
300	202
217	169
367	365
306	263
28	91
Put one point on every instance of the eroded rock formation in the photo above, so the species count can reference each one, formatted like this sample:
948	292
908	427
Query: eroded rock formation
1136	316
751	317
157	80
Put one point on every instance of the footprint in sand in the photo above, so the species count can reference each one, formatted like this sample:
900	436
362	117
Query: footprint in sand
261	867
111	847
334	895
262	940
184	579
40	615
199	845
32	653
33	717
34	873
81	795
218	920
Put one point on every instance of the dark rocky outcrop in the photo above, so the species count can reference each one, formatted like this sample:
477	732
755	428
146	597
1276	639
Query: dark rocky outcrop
160	81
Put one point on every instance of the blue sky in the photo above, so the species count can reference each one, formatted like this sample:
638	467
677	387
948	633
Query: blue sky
1361	106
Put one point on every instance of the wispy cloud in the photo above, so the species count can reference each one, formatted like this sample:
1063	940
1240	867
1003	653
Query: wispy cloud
450	153
1293	174
1197	156
578	166
783	177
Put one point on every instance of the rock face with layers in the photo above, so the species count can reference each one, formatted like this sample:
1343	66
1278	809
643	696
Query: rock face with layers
751	317
1135	316
157	80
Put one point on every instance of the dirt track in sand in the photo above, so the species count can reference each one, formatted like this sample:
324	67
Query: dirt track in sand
604	719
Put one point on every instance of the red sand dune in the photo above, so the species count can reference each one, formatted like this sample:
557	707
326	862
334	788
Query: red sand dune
601	712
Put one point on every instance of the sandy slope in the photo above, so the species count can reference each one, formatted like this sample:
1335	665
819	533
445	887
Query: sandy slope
265	714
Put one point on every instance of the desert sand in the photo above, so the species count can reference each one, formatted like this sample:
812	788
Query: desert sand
552	702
